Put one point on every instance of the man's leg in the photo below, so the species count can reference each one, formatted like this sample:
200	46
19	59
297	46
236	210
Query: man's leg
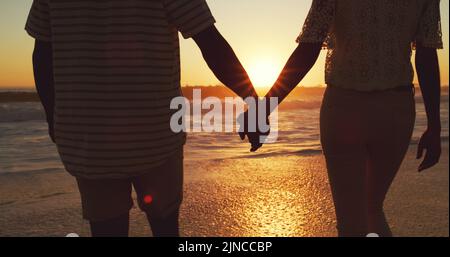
160	193
165	227
106	204
116	227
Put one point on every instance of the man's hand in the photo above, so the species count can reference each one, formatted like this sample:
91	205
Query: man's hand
254	135
431	142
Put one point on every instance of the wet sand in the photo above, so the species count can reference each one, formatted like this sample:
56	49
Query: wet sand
274	196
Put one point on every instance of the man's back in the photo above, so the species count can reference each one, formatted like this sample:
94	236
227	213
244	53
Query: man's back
106	72
116	69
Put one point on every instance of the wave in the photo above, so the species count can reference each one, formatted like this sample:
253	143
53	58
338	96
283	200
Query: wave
21	112
303	152
35	171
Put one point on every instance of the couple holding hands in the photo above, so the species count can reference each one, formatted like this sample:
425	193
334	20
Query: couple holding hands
106	72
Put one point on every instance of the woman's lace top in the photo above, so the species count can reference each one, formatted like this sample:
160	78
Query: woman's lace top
370	41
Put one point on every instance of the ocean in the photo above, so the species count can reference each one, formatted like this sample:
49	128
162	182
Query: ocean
25	146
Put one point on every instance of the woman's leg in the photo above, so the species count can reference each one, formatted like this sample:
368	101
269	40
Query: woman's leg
382	171
391	127
347	179
343	141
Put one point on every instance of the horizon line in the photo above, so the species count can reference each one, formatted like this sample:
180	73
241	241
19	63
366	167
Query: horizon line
188	85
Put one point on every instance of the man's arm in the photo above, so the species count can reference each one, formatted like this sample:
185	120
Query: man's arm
298	65
43	76
427	66
224	63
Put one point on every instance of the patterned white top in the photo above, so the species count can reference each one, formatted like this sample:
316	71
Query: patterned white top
370	42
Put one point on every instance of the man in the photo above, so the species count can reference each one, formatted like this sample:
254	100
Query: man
106	72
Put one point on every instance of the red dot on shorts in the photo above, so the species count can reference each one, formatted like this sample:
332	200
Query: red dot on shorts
148	199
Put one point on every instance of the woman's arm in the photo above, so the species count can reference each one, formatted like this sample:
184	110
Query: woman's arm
427	66
298	65
315	31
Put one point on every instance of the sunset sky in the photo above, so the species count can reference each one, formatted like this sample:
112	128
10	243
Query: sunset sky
262	32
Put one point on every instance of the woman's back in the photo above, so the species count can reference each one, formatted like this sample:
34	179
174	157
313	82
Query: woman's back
370	41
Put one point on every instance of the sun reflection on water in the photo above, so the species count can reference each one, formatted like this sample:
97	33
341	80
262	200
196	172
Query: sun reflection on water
274	213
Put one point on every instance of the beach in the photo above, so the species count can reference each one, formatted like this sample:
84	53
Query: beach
282	190
275	196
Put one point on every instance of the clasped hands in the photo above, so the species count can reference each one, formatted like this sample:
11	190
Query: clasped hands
255	126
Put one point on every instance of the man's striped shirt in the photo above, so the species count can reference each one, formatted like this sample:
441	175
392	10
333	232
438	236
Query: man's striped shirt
116	69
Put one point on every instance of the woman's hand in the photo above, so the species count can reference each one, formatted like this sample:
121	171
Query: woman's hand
431	142
253	133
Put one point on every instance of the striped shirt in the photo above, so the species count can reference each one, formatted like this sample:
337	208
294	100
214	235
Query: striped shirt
116	69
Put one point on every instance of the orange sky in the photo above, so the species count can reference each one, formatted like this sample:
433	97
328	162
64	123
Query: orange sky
262	32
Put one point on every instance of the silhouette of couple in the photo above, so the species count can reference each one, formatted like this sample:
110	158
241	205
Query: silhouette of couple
106	72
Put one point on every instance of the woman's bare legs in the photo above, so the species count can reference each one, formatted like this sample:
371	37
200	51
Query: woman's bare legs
388	144
365	138
347	180
343	142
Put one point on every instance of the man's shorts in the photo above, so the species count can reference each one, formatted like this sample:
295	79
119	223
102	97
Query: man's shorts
159	192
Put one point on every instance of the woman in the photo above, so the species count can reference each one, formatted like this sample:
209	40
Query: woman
368	111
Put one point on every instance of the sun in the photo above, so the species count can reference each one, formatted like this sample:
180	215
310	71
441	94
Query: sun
263	72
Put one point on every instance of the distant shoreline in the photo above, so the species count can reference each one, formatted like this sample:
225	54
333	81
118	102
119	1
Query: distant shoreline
30	95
